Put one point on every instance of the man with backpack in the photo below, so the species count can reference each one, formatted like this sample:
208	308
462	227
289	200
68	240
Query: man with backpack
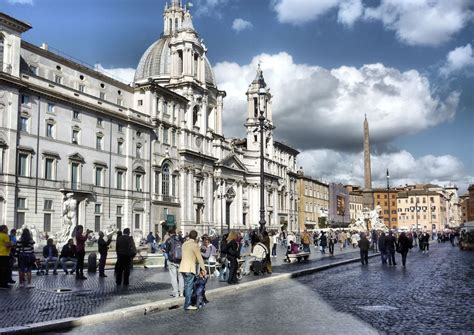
173	250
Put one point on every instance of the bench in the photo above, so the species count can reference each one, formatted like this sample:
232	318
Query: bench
298	257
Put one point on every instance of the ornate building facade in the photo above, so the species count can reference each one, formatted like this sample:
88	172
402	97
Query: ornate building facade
147	156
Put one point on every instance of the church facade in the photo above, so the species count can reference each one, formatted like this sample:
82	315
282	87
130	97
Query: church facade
148	156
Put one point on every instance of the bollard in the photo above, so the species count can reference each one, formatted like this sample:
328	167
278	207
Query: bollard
92	262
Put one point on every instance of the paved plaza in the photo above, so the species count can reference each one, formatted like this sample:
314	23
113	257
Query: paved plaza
96	295
433	294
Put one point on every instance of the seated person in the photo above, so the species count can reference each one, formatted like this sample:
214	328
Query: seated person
50	254
293	249
68	254
259	253
208	253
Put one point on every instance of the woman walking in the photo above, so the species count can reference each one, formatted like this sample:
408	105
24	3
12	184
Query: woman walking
26	257
404	245
232	256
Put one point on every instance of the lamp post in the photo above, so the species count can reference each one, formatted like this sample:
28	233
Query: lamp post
432	208
416	214
261	119
222	207
388	199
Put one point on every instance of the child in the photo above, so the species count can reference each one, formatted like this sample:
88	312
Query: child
200	288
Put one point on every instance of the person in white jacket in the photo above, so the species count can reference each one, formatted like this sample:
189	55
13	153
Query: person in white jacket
259	253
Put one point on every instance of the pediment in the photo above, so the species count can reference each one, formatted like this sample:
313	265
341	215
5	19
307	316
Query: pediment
77	157
233	162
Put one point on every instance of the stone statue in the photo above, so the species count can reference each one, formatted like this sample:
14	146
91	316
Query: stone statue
362	222
34	233
138	237
375	219
358	225
69	218
110	230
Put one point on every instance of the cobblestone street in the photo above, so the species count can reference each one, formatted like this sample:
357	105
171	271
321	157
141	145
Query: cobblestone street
434	294
44	303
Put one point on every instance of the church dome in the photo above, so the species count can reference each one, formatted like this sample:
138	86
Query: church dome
156	63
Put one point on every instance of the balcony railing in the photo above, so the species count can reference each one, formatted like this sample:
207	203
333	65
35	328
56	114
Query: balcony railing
164	198
76	187
198	200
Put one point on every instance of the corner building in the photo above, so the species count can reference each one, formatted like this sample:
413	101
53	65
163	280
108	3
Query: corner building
147	156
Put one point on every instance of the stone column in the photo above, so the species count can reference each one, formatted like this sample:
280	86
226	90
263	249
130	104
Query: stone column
190	193
182	193
220	106
367	168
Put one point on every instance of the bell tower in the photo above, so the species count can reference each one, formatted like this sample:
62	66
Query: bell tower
172	17
259	103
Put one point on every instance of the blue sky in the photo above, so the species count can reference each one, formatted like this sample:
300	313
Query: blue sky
408	65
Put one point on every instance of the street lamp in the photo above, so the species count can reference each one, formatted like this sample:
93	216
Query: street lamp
261	119
432	208
416	213
388	199
222	207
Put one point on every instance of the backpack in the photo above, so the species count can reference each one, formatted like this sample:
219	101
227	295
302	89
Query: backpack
306	239
175	252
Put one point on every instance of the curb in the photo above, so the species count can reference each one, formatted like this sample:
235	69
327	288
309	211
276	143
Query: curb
162	305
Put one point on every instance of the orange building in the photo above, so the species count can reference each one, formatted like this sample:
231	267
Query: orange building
470	212
389	208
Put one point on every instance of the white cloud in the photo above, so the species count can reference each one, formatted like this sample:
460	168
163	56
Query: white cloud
420	22
298	12
403	166
423	22
124	75
240	24
316	108
20	2
349	12
209	7
458	59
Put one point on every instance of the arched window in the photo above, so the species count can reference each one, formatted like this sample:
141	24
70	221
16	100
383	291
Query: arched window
170	27
165	181
176	23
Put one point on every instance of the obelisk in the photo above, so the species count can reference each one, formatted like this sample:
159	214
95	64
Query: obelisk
368	200
367	171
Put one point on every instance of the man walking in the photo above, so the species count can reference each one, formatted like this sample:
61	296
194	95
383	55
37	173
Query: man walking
173	250
382	248
103	249
332	240
374	240
391	245
364	246
191	256
426	242
126	250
